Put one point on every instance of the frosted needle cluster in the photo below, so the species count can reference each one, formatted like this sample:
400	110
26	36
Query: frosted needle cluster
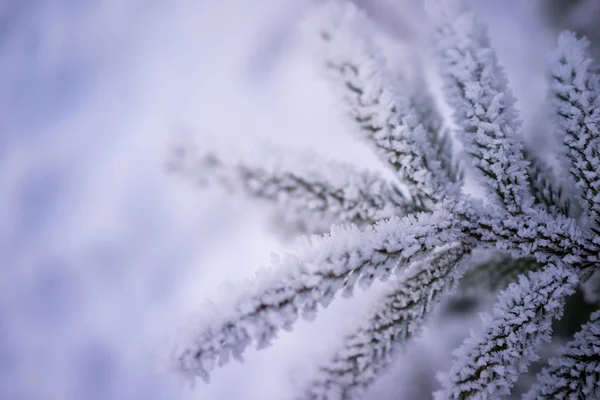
532	241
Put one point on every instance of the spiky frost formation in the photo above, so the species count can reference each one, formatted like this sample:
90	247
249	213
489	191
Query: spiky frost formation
477	89
575	372
298	284
384	118
489	363
318	192
529	223
547	238
397	316
575	90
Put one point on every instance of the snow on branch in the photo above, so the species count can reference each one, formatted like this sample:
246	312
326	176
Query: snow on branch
369	95
298	284
477	89
547	238
575	372
575	89
400	313
425	236
304	187
489	363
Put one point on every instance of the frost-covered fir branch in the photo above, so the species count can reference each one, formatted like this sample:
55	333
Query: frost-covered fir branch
576	93
378	112
396	317
298	284
547	238
489	363
303	187
477	89
575	372
546	251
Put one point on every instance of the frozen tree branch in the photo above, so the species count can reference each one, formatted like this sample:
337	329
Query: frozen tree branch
489	363
575	372
400	313
321	193
298	284
546	251
575	89
477	88
549	239
388	121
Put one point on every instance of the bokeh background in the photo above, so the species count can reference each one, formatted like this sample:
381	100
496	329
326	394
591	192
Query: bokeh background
102	254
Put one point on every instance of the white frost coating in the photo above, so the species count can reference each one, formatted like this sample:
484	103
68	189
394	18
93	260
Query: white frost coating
477	89
403	130
388	121
297	284
398	316
575	372
537	234
489	362
575	90
311	193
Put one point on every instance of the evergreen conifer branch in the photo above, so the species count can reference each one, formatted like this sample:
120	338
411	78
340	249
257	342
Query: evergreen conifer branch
575	372
489	363
400	313
575	89
477	89
547	238
346	257
425	236
303	186
386	119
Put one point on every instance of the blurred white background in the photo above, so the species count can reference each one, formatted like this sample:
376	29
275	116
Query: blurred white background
102	255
